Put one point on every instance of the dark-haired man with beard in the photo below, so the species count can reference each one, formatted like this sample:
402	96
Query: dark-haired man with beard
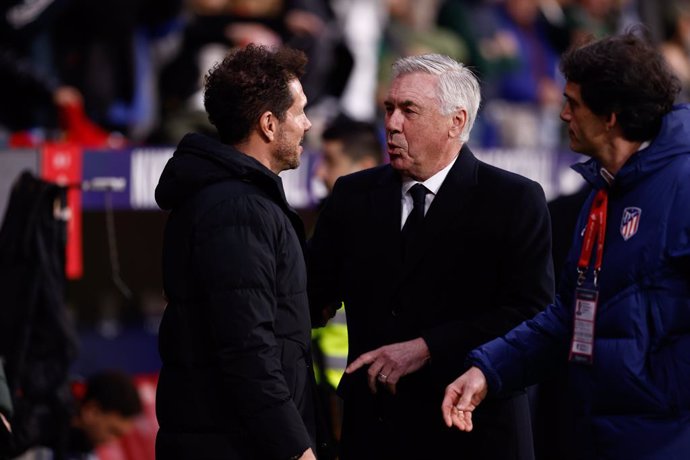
236	381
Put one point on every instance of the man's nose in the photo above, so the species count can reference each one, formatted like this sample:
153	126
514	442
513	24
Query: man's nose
393	122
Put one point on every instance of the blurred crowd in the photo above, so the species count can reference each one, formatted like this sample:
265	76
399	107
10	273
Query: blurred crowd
116	72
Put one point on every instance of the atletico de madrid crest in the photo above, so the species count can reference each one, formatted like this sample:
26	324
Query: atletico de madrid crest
630	222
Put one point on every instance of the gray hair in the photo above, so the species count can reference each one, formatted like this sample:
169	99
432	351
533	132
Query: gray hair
458	87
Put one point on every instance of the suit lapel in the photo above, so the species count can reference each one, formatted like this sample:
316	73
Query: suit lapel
447	206
386	211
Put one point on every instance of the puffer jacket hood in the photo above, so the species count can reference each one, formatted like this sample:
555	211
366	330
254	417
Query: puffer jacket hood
672	140
199	161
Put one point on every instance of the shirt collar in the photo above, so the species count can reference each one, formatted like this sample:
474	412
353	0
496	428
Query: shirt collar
433	184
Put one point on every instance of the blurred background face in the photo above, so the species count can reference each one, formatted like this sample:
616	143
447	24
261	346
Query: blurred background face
684	28
102	427
335	162
598	8
523	12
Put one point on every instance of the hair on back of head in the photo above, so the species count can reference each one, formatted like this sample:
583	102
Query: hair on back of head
247	83
623	74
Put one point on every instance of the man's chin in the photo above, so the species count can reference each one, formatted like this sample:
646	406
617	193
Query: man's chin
397	162
401	166
289	161
294	164
577	148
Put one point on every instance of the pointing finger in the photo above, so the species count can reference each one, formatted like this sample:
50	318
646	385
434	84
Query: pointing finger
366	358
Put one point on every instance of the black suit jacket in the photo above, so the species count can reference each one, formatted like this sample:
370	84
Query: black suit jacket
480	265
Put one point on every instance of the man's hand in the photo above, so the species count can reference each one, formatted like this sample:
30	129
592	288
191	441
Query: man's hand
462	397
308	455
389	363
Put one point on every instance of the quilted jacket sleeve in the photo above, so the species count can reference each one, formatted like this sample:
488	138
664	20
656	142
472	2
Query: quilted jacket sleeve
522	356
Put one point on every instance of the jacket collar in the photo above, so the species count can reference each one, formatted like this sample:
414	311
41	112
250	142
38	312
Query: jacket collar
200	160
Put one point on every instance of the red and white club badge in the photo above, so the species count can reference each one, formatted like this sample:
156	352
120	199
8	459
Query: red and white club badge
630	222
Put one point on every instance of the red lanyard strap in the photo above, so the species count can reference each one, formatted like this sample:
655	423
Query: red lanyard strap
596	228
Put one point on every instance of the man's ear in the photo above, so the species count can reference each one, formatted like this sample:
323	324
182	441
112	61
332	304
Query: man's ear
458	123
268	125
611	121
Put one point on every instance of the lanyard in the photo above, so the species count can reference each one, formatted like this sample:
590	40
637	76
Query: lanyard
596	229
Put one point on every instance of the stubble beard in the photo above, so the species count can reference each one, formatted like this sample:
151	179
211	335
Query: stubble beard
287	156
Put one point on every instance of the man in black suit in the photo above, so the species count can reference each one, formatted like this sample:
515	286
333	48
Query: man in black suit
470	262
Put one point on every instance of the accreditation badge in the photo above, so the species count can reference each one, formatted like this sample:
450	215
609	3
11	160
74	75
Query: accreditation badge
582	345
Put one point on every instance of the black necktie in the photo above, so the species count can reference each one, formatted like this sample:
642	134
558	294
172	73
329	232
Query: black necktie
414	220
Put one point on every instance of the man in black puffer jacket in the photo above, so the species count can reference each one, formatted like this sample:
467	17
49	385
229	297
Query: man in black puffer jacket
236	381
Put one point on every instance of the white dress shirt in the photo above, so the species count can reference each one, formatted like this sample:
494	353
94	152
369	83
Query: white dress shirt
433	184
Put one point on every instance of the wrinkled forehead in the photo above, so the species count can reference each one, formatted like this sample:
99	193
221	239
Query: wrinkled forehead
418	88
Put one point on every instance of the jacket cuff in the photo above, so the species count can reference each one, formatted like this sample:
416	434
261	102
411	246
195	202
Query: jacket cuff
493	380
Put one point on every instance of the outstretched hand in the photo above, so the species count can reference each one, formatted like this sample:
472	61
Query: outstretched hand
462	397
389	363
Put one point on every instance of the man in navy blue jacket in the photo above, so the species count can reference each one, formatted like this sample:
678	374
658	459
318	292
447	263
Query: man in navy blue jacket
622	316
